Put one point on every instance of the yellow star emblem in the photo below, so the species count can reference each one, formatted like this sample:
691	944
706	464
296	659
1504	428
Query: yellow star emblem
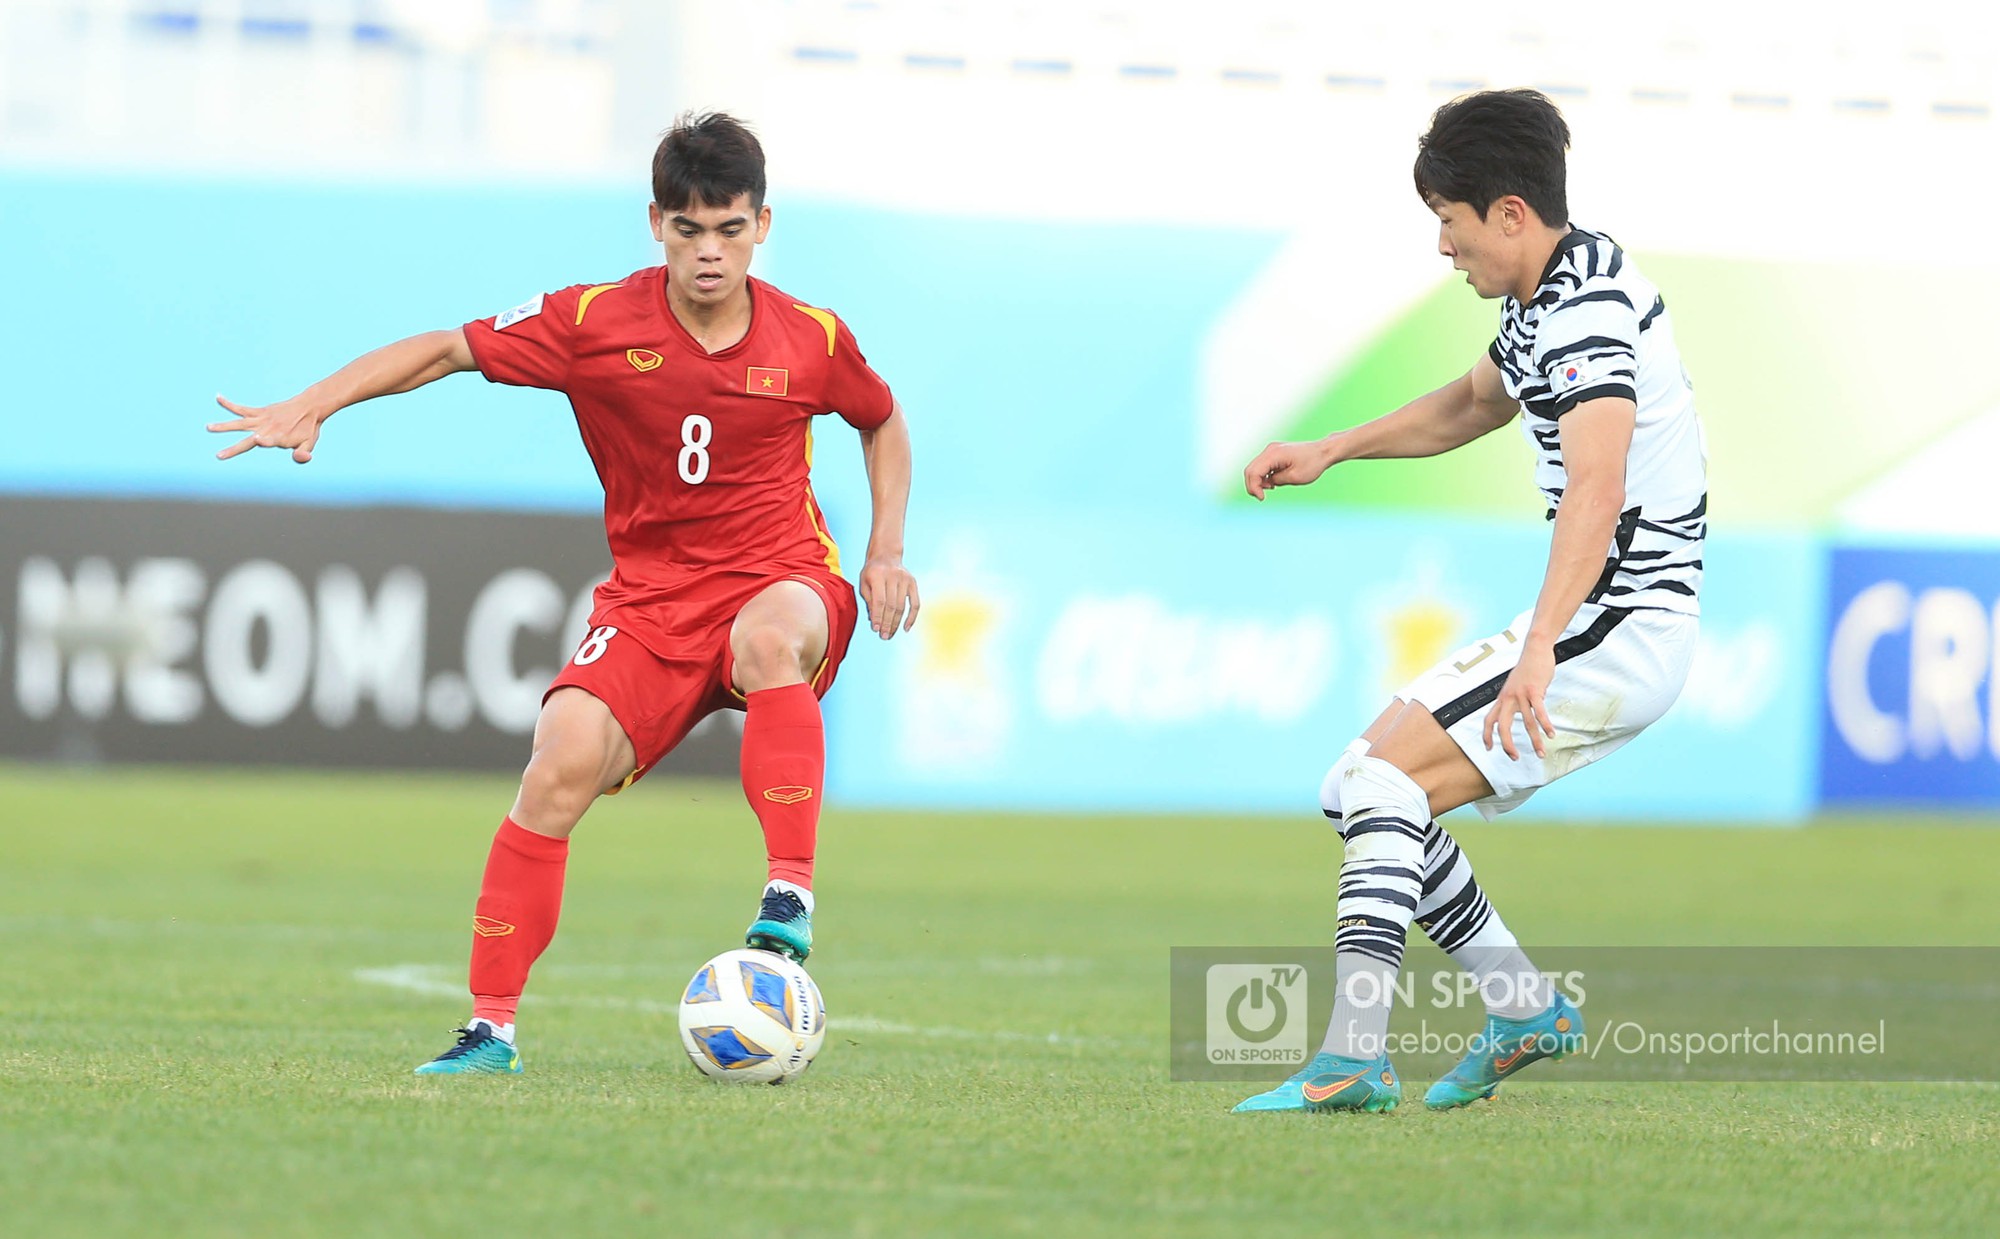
1419	634
955	630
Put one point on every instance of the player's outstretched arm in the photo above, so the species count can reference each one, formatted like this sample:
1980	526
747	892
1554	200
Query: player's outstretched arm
887	588
1432	424
1596	438
403	366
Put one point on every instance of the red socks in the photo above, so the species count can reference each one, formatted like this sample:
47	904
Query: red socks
784	770
519	901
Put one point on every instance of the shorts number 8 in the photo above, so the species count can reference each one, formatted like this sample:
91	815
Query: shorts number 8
593	646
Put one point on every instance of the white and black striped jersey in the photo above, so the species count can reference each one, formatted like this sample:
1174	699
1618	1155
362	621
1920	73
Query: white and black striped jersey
1596	327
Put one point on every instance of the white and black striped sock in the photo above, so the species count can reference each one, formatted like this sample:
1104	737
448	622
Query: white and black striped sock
1381	880
1451	908
1456	914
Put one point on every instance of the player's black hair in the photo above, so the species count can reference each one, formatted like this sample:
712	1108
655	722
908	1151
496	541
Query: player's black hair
709	157
1485	146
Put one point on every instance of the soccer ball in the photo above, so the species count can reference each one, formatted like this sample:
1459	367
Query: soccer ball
753	1017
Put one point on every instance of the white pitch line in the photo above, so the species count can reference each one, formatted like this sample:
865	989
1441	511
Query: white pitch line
426	979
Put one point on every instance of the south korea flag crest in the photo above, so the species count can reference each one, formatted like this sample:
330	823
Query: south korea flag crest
1567	376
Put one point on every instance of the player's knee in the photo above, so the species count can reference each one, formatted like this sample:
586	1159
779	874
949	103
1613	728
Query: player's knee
556	788
1329	787
768	654
1383	809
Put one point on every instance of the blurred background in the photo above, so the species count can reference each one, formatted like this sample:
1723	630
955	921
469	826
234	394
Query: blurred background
1103	252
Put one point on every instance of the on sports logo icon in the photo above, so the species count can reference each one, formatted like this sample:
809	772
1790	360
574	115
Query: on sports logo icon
788	795
1256	1015
487	927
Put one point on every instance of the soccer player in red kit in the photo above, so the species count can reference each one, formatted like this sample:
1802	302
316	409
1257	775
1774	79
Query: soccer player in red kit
695	387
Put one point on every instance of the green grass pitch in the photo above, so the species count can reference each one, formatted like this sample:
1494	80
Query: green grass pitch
216	983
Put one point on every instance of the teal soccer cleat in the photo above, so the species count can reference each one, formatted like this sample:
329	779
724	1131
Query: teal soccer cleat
1330	1082
1504	1048
783	926
478	1052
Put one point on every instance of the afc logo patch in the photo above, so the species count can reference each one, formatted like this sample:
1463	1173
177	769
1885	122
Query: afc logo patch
526	310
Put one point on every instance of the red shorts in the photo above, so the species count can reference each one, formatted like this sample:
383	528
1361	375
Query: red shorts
658	695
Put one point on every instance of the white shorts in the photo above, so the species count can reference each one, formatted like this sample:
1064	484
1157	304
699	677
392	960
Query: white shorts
1617	671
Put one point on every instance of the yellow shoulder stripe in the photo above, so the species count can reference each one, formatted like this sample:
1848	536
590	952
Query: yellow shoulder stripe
590	295
824	318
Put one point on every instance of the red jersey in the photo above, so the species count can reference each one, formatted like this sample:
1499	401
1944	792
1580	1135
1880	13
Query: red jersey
705	457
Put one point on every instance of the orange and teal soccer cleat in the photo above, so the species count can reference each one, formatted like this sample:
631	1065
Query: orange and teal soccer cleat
783	925
478	1052
1330	1082
1503	1048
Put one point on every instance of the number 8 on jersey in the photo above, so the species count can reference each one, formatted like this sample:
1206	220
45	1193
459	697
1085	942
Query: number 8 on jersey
696	434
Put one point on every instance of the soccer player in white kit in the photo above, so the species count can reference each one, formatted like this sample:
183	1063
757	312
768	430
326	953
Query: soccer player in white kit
1585	356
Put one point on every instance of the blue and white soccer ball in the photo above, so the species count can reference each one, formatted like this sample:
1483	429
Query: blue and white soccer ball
753	1017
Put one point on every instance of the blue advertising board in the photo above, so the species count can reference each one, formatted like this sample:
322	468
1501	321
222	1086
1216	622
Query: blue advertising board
1911	695
1221	661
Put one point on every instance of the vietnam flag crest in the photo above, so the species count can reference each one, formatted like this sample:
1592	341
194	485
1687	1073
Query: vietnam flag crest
767	381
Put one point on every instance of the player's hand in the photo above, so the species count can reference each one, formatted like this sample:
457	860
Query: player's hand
289	423
1522	697
1286	464
888	589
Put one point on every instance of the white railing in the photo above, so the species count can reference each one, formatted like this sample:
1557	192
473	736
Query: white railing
581	84
306	83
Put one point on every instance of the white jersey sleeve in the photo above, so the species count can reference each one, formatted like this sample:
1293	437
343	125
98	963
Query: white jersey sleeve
1588	346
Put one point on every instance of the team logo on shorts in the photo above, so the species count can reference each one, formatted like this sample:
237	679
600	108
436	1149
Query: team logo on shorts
643	359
